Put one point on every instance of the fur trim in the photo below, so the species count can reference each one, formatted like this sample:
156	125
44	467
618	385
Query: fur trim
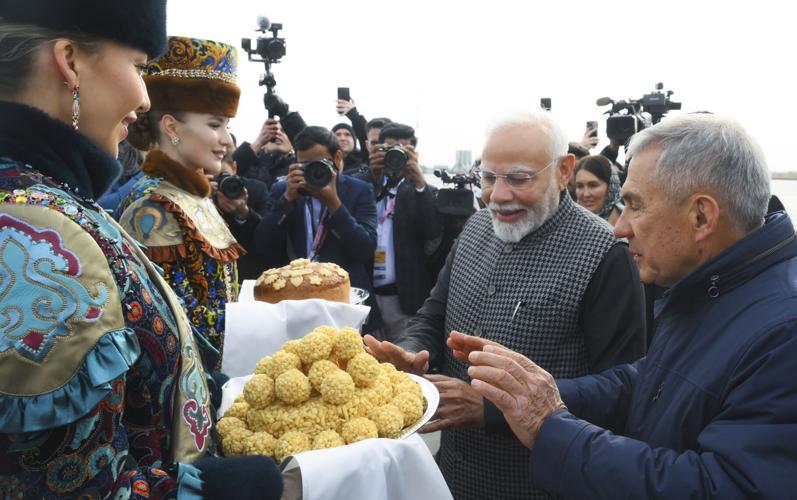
158	164
136	23
198	95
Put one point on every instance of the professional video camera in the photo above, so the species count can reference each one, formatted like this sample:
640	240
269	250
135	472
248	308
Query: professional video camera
268	51
458	200
626	118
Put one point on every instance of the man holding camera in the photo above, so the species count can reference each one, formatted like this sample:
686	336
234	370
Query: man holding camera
318	214
407	219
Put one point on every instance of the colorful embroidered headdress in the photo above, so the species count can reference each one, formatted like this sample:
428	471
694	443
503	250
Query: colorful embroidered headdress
195	75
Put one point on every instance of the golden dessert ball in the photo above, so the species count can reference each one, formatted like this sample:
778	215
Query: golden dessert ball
320	370
226	423
237	409
292	346
233	443
313	347
348	344
358	429
281	362
292	387
363	369
410	405
387	368
327	439
407	386
389	420
329	331
291	443
259	391
262	366
337	388
261	443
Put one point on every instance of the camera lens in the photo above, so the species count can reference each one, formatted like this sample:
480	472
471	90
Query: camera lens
231	186
395	159
317	173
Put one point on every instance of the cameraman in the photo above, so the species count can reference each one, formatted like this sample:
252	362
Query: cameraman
333	222
242	202
268	156
407	220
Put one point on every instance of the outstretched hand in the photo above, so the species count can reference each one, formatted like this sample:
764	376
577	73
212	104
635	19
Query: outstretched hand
462	344
384	351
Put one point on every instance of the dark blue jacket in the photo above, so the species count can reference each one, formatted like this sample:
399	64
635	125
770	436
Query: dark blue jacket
350	243
711	412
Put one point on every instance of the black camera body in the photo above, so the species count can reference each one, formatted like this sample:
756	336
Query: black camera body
459	199
319	172
626	118
268	51
395	160
230	185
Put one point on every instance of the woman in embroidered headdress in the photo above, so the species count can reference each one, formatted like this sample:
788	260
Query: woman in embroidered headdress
193	94
102	392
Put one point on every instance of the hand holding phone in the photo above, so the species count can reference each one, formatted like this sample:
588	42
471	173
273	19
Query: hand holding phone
592	127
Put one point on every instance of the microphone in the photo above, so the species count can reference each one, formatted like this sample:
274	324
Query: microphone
263	23
603	101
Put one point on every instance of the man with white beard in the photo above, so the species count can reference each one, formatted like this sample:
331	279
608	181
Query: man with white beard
534	272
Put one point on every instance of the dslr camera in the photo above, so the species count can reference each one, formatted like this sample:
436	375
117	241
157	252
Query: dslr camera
626	118
395	160
319	172
230	185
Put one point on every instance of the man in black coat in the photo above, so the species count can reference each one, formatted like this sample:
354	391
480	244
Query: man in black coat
407	220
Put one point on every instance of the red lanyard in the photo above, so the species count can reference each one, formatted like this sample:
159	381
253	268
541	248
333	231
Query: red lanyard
320	234
388	211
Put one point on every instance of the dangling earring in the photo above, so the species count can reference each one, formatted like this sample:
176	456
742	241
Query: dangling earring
76	107
175	140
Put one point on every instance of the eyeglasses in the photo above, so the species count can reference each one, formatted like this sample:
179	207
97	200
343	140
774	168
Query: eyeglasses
515	180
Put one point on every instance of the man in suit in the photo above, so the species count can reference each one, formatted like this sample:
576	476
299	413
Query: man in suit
333	222
407	220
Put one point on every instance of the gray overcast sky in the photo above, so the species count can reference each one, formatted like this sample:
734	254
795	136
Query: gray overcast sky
448	67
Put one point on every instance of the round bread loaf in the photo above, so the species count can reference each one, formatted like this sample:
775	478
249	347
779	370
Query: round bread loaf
302	279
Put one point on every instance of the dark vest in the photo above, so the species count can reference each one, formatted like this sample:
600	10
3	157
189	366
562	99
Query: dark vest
547	274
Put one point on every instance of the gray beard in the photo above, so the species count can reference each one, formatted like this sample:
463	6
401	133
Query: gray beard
536	215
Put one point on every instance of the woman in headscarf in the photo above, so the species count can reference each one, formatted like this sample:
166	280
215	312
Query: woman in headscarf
194	94
598	187
102	392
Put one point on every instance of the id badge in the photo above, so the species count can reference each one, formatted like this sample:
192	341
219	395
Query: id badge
380	263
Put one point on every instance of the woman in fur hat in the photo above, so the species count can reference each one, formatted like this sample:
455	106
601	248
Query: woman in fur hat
193	93
102	391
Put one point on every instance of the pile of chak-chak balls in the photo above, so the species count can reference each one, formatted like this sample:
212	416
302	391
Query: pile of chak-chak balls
321	391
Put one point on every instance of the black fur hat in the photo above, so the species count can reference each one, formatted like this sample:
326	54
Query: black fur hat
136	23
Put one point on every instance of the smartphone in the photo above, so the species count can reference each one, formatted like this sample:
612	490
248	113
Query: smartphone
343	94
545	103
593	127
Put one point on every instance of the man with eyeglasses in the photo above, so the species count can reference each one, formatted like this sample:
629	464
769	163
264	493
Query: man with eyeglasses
535	272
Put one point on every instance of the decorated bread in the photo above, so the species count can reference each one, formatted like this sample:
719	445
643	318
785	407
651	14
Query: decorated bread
302	279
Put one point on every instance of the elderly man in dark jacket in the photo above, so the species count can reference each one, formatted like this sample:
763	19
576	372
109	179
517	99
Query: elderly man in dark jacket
711	412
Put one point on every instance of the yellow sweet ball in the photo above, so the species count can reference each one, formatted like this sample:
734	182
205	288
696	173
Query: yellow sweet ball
261	443
292	387
327	439
329	331
348	344
389	420
259	391
281	362
337	388
262	366
290	443
313	347
233	443
358	429
319	371
363	369
410	405
387	368
237	409
227	423
292	346
407	386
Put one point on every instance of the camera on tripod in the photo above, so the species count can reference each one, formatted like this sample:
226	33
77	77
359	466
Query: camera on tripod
459	199
626	118
268	50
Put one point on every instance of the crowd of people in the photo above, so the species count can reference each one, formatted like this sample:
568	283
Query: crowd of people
558	374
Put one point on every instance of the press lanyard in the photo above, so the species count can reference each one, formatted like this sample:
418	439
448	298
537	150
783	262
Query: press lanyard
319	233
389	210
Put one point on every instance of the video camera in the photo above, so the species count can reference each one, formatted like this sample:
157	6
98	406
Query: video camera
268	51
626	118
458	200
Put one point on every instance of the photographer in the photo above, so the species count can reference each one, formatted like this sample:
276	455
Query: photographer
321	215
352	159
242	202
407	221
268	157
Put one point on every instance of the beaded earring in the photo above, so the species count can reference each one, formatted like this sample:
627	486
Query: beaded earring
76	107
